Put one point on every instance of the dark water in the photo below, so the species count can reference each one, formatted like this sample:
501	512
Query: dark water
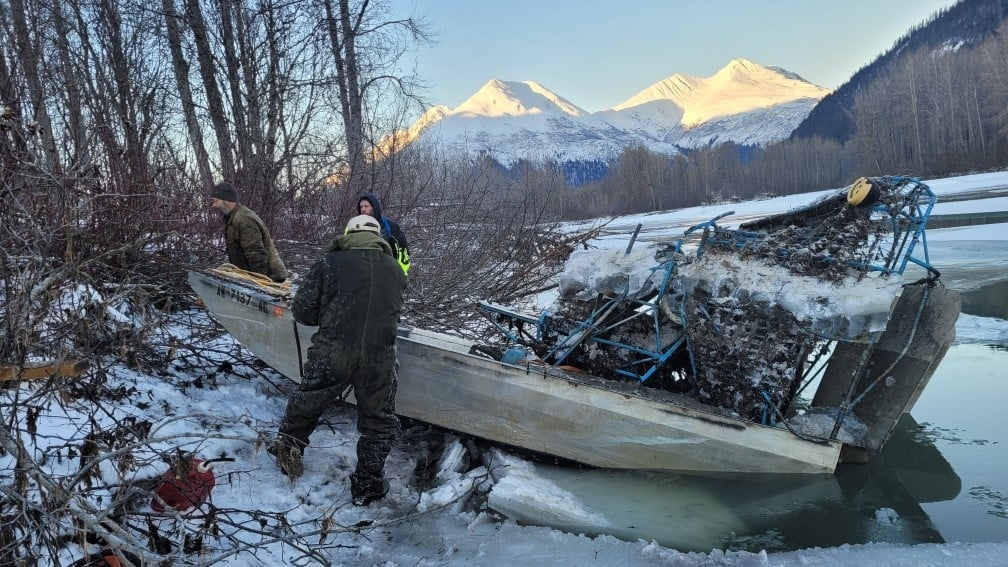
943	477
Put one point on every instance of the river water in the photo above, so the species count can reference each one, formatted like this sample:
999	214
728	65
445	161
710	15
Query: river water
941	478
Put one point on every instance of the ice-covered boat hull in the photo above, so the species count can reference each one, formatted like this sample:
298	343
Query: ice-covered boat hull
538	408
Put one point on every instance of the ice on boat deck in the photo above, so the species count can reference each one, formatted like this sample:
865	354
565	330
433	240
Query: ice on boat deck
744	319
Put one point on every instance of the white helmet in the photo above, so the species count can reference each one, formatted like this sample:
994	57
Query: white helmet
361	223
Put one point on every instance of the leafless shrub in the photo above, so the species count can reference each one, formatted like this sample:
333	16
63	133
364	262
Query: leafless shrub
474	235
105	286
105	212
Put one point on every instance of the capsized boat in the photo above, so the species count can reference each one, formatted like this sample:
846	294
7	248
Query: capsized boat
671	358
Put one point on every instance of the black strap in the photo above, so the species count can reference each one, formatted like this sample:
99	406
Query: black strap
297	341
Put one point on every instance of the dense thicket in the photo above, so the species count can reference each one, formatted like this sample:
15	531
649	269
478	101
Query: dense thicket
116	118
119	115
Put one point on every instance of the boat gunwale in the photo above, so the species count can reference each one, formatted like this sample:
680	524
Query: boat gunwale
661	399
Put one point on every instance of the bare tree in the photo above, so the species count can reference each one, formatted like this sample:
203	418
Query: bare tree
989	97
257	82
28	56
364	46
181	68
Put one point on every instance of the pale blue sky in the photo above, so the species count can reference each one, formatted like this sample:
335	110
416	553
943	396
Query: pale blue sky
598	53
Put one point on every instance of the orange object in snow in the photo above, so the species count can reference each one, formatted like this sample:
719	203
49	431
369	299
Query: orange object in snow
107	558
187	483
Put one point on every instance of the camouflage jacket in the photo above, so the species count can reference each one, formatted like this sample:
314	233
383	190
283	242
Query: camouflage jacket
249	245
354	293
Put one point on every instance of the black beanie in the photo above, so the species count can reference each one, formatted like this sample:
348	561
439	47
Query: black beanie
225	192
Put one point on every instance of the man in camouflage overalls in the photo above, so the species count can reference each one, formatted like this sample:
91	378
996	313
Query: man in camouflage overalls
354	293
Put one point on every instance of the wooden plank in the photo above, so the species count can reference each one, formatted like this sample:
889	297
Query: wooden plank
67	368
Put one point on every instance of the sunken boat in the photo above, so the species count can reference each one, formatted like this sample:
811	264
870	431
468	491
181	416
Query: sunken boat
787	345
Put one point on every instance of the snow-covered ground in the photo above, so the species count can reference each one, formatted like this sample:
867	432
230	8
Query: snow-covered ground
671	223
227	413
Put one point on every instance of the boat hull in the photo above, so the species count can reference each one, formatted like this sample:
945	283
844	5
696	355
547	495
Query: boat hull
538	408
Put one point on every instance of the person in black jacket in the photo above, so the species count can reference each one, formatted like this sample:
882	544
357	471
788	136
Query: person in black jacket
354	294
369	205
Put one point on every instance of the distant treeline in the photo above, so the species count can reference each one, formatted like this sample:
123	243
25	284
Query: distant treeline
930	113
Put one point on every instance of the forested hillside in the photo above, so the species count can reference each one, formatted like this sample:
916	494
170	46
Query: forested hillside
965	24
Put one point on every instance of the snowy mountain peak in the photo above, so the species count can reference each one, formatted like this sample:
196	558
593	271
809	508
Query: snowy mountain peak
433	114
675	88
739	86
741	68
510	98
399	140
743	71
743	102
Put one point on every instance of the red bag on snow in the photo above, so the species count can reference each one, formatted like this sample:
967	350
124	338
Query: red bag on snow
187	483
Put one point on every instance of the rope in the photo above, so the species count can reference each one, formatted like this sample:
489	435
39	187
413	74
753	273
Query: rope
849	405
783	420
906	347
233	272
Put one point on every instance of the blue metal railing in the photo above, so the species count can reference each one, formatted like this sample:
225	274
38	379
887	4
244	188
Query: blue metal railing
907	215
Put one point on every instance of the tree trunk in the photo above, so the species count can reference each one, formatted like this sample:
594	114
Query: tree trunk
180	65
215	102
29	60
342	40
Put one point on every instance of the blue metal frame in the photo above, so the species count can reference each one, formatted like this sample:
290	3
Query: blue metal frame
911	212
659	355
595	325
916	216
511	338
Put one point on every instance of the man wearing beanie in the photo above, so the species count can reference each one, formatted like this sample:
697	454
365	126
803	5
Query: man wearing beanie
248	241
354	293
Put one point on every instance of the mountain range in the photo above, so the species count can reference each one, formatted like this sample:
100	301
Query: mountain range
744	102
